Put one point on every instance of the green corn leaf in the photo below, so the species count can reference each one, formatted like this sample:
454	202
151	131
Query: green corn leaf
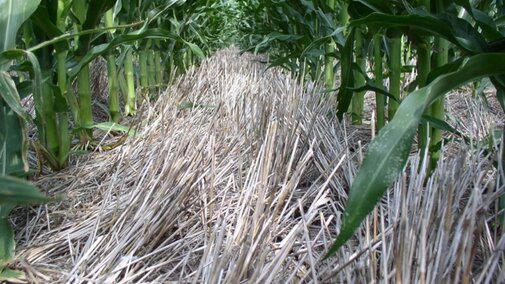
482	19
345	93
195	49
449	27
9	92
389	151
13	134
370	86
140	34
18	191
361	8
13	131
7	245
12	15
340	41
276	36
43	20
444	69
13	191
442	125
12	276
94	13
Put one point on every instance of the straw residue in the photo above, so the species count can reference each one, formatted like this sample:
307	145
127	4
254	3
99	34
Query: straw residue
248	185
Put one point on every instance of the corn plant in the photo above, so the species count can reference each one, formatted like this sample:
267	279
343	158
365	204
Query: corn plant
301	36
112	73
13	119
58	41
75	48
296	36
480	49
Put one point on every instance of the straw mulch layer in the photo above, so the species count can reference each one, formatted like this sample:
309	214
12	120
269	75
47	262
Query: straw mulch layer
249	186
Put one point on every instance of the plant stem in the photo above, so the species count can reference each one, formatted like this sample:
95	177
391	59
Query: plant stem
423	69
380	99
85	109
189	58
151	69
437	108
50	129
114	108
131	105
359	97
158	69
329	76
64	136
344	15
395	74
144	81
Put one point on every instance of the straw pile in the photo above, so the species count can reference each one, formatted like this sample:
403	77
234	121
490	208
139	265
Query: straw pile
248	186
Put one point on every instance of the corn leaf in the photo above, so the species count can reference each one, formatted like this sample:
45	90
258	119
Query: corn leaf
13	137
94	13
451	28
43	20
12	276
7	243
13	14
8	89
344	96
18	191
388	153
140	34
483	20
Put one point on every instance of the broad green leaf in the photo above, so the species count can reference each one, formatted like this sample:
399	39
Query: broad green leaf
140	34
79	9
95	11
195	49
12	15
13	131
361	8
444	69
320	41
483	20
13	135
344	96
18	191
9	94
442	125
12	276
43	20
370	86
274	36
389	151
7	244
453	29
6	58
